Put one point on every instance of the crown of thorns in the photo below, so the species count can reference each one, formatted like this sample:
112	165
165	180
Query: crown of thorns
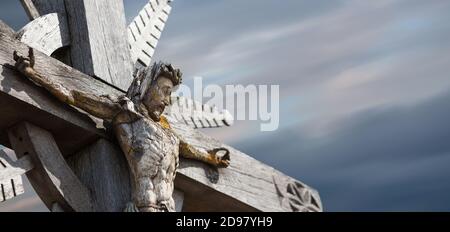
149	75
168	71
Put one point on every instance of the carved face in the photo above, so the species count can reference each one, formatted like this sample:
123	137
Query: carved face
158	97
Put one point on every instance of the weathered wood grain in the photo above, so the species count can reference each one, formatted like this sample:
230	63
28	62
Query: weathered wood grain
11	188
10	169
178	197
145	30
197	115
72	78
103	168
246	180
45	7
56	208
22	100
202	198
51	177
10	175
98	37
30	9
297	196
46	33
49	6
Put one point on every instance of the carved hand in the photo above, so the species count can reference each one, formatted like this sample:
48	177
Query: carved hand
220	161
24	64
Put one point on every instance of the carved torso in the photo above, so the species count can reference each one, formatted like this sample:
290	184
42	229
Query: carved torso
152	154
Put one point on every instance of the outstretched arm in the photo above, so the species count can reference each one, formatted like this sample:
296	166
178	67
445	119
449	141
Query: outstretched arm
99	106
210	157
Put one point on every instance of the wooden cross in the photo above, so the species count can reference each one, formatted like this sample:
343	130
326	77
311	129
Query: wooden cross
70	158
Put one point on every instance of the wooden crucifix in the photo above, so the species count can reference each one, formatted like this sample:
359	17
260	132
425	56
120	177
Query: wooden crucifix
71	158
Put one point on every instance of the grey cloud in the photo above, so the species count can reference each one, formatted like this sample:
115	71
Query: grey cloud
337	27
304	45
387	159
209	25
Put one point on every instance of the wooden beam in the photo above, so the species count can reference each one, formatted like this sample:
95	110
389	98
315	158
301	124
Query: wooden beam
11	169
246	181
145	30
178	197
46	33
10	175
98	36
102	168
21	100
30	9
49	6
5	29
51	177
99	40
43	8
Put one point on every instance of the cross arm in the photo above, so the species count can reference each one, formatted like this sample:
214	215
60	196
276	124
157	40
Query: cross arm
99	106
22	100
246	185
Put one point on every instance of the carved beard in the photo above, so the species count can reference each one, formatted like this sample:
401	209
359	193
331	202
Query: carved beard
155	115
155	107
156	112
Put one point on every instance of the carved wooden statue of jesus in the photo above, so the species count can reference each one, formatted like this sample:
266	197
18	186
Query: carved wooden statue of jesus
144	135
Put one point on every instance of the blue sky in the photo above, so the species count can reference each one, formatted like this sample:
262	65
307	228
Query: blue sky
364	90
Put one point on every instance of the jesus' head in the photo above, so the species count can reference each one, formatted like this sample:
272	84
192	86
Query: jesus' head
153	86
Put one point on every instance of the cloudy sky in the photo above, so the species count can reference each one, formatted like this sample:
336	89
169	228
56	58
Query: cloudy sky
364	91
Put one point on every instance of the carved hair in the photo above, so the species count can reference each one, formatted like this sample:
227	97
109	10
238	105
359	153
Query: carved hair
147	76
